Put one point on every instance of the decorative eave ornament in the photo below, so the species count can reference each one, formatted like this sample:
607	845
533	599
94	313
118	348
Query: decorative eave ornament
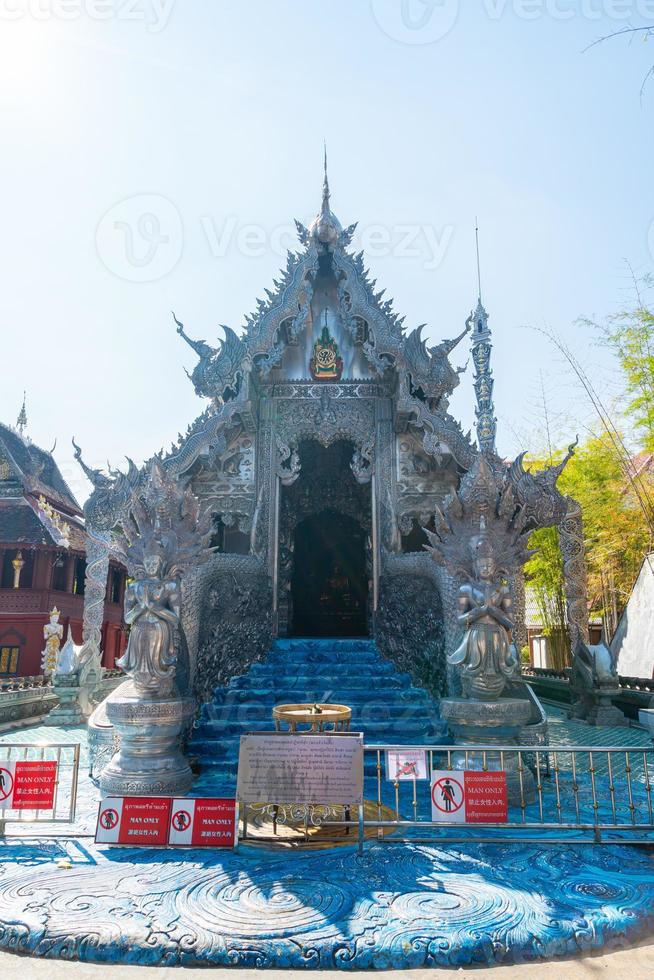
220	371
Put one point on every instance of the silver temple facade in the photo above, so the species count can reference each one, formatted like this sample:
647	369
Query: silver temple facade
326	447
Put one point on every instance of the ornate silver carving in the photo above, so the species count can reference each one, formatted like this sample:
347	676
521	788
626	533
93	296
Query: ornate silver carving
164	533
594	683
220	371
481	355
362	462
95	592
429	369
481	537
288	462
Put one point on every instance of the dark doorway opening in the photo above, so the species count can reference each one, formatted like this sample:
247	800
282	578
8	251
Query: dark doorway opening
329	584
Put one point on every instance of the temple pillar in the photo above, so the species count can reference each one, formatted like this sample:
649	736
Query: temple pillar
70	574
571	540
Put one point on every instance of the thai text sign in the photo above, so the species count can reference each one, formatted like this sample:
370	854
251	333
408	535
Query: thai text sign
133	820
157	821
468	797
305	768
203	823
27	785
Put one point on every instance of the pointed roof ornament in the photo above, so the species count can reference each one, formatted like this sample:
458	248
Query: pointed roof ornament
325	228
21	421
325	183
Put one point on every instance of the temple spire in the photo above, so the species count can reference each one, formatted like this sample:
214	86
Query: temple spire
325	183
21	421
325	228
478	262
483	380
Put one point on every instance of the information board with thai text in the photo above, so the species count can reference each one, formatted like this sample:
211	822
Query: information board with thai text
318	769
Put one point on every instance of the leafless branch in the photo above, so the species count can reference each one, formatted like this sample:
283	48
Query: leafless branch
647	30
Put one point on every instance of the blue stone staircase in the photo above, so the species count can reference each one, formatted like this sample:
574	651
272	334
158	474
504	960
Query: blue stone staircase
386	706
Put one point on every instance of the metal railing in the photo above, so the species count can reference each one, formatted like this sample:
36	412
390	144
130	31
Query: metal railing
557	794
64	803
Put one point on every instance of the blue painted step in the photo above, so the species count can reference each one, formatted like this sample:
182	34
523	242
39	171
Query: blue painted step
385	704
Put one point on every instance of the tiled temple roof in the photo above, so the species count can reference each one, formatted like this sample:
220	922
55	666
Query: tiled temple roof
37	507
32	470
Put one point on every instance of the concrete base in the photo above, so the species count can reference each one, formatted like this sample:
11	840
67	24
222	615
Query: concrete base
149	760
491	723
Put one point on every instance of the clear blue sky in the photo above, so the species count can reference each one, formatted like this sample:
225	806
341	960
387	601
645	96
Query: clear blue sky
211	116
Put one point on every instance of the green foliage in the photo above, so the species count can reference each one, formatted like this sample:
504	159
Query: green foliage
616	496
630	335
545	574
616	537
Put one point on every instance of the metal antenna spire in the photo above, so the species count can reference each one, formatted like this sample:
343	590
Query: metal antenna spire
481	356
325	183
478	264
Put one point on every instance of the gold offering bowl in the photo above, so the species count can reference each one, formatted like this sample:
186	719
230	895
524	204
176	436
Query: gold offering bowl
316	715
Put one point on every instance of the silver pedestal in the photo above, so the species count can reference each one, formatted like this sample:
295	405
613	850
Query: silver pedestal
491	723
149	760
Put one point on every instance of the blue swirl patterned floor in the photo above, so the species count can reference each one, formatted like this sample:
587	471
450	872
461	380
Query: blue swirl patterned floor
396	906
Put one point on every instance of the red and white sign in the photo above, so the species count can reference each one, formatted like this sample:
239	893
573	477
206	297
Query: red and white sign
158	821
27	785
486	800
203	823
134	820
468	797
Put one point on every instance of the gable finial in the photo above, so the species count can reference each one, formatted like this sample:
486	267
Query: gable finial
21	421
326	228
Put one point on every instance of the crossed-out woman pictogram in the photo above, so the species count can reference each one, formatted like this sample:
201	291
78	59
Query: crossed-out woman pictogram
447	794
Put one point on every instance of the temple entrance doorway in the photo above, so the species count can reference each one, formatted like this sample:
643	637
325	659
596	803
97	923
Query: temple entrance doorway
325	556
329	584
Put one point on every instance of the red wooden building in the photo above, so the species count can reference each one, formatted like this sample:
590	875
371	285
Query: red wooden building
42	558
